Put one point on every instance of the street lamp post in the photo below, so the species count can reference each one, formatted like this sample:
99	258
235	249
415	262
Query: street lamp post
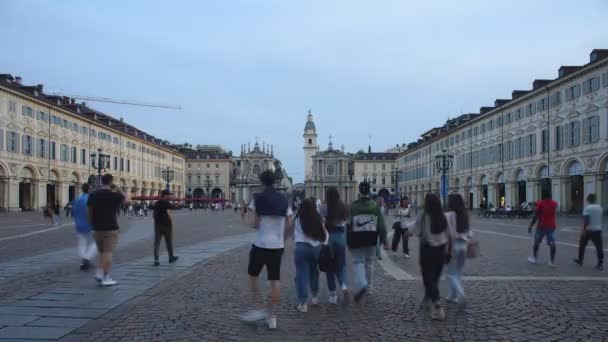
208	186
443	163
100	162
396	175
168	175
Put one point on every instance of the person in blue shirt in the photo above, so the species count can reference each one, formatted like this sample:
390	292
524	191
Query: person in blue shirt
86	245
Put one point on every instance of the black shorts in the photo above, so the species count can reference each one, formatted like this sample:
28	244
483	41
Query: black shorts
260	257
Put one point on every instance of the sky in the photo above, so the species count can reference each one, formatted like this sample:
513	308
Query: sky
376	72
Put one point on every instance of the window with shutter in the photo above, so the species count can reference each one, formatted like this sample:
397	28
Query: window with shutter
586	135
605	79
17	147
568	135
1	139
587	87
577	133
594	123
594	83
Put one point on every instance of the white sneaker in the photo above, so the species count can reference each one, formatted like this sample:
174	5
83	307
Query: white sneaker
532	260
551	264
302	308
253	316
333	299
407	256
314	300
272	322
107	281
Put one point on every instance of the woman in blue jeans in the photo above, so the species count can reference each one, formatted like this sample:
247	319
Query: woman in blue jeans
336	214
458	223
308	236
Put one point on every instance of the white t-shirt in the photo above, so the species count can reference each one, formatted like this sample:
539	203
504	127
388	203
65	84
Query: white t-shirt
271	231
300	236
452	226
595	212
422	228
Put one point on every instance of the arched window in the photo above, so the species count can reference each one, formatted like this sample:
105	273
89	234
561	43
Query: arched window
484	180
575	169
544	172
520	175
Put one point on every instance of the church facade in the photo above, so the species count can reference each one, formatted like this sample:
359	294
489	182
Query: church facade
326	168
248	166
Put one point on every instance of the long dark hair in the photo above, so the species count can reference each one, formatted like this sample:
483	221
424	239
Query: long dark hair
432	208
456	204
336	209
311	221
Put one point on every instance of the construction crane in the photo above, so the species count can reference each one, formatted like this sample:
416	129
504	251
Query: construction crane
126	102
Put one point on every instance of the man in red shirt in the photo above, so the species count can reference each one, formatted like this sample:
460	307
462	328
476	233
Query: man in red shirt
545	215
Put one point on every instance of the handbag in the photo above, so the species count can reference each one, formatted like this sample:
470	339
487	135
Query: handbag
473	250
327	259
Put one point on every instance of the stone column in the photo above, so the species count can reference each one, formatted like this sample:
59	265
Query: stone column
492	195
559	192
64	193
530	186
41	194
13	198
590	184
509	193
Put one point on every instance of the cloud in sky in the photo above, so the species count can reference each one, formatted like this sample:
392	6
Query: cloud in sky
386	69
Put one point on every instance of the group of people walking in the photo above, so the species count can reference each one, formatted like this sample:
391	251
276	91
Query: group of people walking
95	217
323	234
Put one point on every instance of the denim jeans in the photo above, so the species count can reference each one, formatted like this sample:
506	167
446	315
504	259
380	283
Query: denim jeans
307	270
454	271
363	266
337	241
431	263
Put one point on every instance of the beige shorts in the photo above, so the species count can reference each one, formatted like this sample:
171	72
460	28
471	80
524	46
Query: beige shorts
106	240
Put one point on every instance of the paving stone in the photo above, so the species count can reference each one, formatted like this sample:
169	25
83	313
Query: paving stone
16	320
43	333
59	322
51	312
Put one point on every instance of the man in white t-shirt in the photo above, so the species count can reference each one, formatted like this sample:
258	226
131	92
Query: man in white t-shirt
592	230
270	214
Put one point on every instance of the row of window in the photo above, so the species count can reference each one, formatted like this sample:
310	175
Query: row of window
43	148
217	166
566	136
207	177
572	92
374	167
56	120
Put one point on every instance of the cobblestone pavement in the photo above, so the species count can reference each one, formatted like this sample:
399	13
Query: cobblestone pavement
50	255
509	300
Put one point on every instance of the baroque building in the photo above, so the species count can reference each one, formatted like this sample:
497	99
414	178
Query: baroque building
326	168
248	166
553	136
47	142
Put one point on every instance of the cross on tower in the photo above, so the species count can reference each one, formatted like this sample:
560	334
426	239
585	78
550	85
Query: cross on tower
330	137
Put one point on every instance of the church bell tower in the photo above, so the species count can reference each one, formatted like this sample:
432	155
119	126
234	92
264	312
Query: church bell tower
310	146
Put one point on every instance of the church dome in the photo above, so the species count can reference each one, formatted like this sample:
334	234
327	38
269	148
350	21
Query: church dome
310	125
